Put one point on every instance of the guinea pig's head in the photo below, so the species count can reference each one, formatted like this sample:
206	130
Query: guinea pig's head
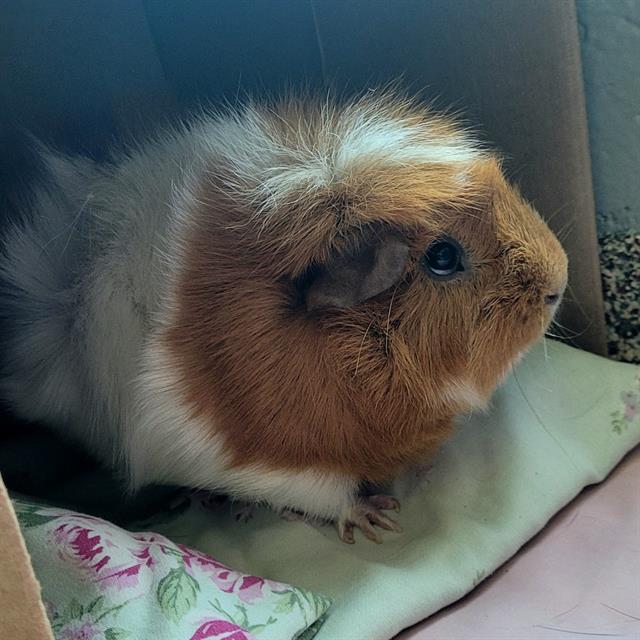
372	251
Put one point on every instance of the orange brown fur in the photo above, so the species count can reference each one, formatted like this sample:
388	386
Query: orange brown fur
356	390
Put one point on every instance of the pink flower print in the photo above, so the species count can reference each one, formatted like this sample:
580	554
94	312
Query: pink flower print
122	577
250	589
196	559
76	542
145	557
121	570
225	578
631	405
79	630
247	588
277	587
221	630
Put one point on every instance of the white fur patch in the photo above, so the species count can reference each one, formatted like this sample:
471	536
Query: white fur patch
396	143
460	392
168	445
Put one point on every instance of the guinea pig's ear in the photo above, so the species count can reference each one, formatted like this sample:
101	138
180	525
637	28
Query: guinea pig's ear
358	276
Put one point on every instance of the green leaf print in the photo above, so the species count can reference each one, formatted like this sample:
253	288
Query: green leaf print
287	603
321	603
257	628
308	603
29	517
619	424
242	620
73	611
317	604
95	606
177	593
115	633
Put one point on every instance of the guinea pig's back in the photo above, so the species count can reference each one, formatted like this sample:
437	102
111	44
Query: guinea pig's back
42	260
80	277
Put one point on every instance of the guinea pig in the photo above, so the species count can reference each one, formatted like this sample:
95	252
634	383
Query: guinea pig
282	302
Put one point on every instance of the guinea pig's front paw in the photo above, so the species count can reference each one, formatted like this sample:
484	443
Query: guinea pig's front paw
243	512
366	513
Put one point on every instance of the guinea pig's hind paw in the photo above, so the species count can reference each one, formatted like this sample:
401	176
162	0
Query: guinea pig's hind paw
243	512
387	503
365	514
289	515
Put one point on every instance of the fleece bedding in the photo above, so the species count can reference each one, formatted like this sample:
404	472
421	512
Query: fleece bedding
561	421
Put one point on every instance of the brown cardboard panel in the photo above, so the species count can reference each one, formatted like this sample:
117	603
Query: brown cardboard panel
22	615
513	69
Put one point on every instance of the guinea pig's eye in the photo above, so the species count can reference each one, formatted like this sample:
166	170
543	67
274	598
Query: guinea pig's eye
443	259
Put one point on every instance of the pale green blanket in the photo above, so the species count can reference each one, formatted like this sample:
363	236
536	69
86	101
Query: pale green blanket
560	423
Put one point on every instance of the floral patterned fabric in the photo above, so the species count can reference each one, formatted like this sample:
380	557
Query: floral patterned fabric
101	582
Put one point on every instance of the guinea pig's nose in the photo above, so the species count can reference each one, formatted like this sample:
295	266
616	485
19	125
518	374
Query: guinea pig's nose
552	298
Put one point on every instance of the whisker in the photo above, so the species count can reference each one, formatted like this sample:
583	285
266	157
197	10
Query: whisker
574	299
568	333
364	337
71	226
554	213
386	337
540	421
564	231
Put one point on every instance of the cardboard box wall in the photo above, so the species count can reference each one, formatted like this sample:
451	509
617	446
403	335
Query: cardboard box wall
82	71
